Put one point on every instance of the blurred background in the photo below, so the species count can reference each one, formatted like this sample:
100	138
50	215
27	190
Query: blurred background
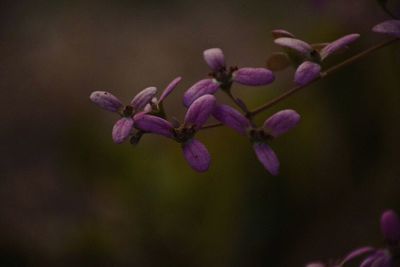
70	197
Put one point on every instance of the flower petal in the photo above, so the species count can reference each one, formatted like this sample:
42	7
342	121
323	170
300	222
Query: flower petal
153	124
307	72
253	76
214	58
315	264
356	253
381	258
202	87
199	111
267	157
143	98
389	27
278	33
106	101
390	227
231	118
295	44
171	86
122	129
338	45
196	154
281	122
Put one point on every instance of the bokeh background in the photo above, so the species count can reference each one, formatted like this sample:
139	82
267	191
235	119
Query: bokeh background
70	197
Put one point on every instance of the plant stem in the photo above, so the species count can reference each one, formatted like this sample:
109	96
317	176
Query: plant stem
324	74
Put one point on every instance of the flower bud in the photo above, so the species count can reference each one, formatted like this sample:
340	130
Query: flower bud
281	122
122	129
307	72
214	58
231	118
390	227
106	101
199	111
202	87
143	98
197	155
389	27
253	76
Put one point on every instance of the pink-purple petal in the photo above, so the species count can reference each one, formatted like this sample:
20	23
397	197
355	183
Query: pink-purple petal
171	86
153	124
315	264
122	129
202	87
279	33
214	58
267	157
197	156
143	98
199	111
390	227
294	44
338	45
389	27
253	76
231	118
307	72
356	253
106	101
281	122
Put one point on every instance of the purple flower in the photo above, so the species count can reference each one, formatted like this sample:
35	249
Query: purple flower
349	257
222	77
274	126
389	27
145	100
195	153
307	57
380	257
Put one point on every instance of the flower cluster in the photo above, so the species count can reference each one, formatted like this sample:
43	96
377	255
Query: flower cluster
145	113
388	256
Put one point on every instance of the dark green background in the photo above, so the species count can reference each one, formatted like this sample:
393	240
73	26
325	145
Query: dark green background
70	197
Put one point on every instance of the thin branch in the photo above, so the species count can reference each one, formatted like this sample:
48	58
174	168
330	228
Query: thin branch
323	75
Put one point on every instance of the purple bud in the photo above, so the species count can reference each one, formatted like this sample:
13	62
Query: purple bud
153	124
338	44
143	98
231	118
356	253
253	76
214	58
169	89
390	227
202	87
199	111
295	44
267	157
196	154
281	122
307	72
122	129
279	33
389	27
106	101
